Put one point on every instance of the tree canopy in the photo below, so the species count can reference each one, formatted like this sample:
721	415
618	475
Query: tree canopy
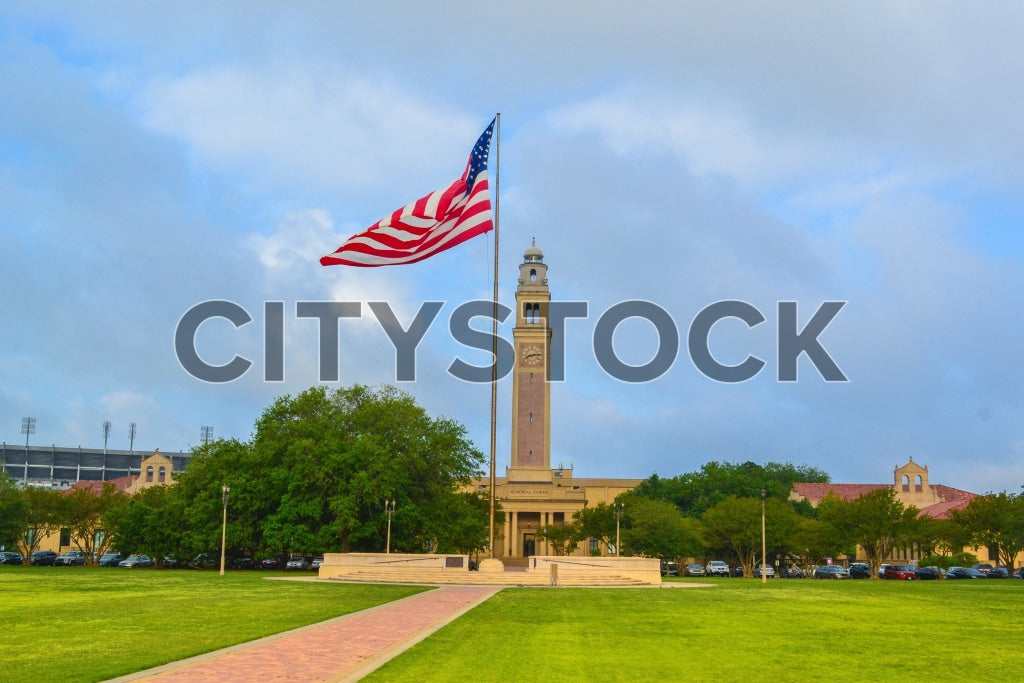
318	469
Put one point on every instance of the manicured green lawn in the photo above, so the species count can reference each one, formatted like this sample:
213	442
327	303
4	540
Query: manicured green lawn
802	630
85	624
92	624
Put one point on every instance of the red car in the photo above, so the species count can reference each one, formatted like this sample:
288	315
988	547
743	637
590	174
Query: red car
901	572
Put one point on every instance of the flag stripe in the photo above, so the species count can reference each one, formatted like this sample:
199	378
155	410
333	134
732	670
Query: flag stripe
429	225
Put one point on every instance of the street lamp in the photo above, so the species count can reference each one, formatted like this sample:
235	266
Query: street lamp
389	509
544	531
618	509
224	527
764	545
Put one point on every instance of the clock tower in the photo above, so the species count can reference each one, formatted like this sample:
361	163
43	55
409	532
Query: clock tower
531	392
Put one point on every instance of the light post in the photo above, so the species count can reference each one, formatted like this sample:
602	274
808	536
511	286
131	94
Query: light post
225	490
544	532
389	509
618	509
764	544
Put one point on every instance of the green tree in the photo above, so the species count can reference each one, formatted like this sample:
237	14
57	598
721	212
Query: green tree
655	528
595	522
82	512
13	512
562	539
696	492
734	525
995	520
876	521
148	523
44	517
318	469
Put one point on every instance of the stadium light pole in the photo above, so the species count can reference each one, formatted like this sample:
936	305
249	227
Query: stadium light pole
28	426
764	543
225	490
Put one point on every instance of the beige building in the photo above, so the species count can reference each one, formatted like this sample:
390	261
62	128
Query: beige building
910	484
533	494
156	470
911	487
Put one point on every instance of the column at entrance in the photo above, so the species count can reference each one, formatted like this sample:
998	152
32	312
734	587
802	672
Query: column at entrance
513	537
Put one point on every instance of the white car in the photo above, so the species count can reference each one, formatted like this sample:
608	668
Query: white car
717	568
297	563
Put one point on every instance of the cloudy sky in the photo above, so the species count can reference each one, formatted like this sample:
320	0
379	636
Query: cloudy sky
153	158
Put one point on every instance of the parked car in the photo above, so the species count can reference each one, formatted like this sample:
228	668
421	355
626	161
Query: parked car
669	568
737	570
859	570
1019	574
769	571
999	572
42	558
270	563
881	570
244	563
317	561
694	569
136	562
982	567
297	563
792	572
110	558
963	573
70	558
204	561
929	573
831	571
169	562
11	557
716	568
899	572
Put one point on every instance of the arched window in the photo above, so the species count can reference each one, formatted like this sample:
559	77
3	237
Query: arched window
149	473
163	474
906	483
533	274
918	483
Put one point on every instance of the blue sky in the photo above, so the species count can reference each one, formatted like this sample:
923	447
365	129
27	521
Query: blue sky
155	157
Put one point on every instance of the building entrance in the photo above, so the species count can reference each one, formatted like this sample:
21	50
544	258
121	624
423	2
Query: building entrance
529	545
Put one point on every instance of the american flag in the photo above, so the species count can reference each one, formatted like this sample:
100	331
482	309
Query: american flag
429	225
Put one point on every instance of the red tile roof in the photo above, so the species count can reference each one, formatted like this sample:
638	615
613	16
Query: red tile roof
815	492
120	484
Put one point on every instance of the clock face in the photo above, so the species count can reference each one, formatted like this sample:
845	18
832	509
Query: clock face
531	354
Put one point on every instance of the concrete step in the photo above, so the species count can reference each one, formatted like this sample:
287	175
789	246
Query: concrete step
513	578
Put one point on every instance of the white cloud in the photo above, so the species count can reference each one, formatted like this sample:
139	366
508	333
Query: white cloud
313	125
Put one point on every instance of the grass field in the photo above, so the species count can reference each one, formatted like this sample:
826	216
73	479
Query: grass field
789	630
85	624
92	624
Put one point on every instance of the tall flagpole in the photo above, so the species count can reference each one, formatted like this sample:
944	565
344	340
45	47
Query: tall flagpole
494	330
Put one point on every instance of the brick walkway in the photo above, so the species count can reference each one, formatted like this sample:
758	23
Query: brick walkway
342	649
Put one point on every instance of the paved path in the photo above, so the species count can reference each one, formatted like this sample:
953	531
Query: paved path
342	649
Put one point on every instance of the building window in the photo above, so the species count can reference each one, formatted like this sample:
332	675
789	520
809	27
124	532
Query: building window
531	418
594	545
149	473
163	474
65	536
